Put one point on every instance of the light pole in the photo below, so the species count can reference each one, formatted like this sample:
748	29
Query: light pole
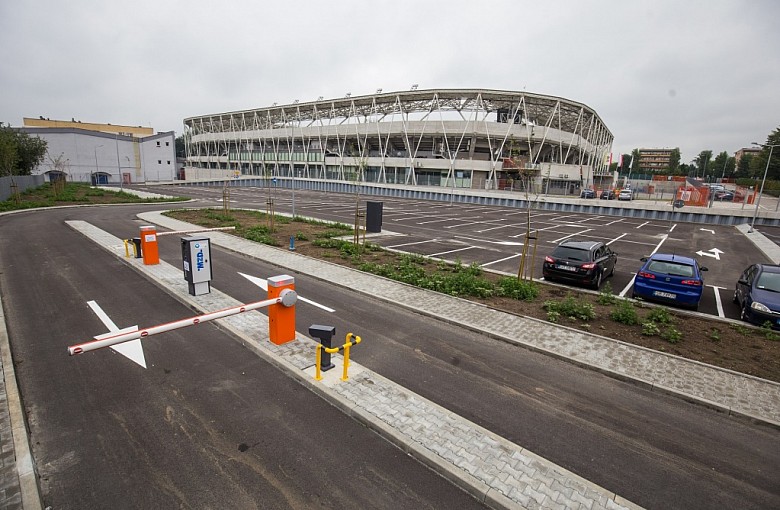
94	176
768	160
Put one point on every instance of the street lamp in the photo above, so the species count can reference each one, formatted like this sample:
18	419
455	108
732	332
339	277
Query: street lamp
94	176
769	159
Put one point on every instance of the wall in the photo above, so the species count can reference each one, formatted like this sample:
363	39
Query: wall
23	182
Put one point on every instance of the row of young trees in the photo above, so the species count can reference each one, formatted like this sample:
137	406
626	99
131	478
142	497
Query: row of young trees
710	168
20	153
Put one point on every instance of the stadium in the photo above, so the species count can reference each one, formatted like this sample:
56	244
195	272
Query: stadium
453	138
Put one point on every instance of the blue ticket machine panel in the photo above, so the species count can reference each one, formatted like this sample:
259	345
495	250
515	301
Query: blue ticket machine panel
196	258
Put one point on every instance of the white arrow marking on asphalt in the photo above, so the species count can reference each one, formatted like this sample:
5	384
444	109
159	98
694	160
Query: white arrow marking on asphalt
131	350
707	230
714	253
263	284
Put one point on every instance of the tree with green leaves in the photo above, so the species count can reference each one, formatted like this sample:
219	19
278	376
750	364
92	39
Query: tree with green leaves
723	165
758	164
674	161
20	153
703	166
180	148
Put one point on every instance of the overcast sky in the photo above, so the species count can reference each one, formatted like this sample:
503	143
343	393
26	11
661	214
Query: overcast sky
694	74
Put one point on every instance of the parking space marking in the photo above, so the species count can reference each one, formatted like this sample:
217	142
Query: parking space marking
500	260
718	302
630	284
451	251
591	219
434	221
673	227
642	225
410	244
666	236
496	228
615	239
466	224
571	235
616	221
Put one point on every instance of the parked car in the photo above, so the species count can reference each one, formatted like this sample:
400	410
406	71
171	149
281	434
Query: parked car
757	293
585	262
626	194
588	193
607	194
669	278
723	195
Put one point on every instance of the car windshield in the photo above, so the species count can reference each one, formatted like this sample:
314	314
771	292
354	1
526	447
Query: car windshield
567	252
670	268
769	281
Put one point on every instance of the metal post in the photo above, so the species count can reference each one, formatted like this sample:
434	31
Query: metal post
758	200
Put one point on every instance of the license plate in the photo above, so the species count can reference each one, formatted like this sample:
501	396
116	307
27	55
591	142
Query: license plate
566	268
667	295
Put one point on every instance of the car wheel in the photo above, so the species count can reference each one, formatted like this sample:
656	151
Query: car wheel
597	282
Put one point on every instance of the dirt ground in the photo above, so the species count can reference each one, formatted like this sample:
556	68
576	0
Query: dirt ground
734	346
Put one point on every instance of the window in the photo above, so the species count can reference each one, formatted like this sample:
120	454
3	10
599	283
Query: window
158	144
159	162
167	144
169	161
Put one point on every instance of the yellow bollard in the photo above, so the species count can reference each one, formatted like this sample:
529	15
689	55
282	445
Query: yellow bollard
127	249
318	373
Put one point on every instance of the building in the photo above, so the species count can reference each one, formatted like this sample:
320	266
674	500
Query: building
745	151
100	153
469	138
654	161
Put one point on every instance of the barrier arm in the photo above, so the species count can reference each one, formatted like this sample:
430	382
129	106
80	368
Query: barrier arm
287	298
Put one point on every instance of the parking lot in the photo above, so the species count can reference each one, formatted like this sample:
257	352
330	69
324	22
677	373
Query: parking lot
493	237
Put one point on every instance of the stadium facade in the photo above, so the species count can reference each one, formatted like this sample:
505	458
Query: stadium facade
464	138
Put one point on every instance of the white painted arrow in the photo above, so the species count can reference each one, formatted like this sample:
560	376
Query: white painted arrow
263	284
131	350
707	230
714	253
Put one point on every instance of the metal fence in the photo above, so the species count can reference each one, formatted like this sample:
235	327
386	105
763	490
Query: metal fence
23	182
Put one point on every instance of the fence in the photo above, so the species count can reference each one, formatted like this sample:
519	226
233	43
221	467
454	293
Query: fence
23	182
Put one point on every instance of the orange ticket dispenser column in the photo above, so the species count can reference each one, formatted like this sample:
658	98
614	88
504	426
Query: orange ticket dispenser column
281	319
149	249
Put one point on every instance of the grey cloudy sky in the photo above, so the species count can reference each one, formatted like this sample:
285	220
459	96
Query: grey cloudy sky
698	75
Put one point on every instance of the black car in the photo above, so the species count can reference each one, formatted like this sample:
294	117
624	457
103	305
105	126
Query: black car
586	262
757	294
588	193
724	195
607	194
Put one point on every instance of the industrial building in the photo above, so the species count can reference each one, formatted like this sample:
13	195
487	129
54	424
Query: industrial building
104	153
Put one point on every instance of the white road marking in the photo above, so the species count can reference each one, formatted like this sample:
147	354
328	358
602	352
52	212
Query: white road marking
451	251
642	225
715	253
673	227
435	221
708	230
615	239
630	284
263	284
616	221
718	302
666	236
499	260
465	224
571	235
132	350
410	244
496	228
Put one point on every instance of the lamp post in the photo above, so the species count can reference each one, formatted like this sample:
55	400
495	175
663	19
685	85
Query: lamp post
94	176
758	201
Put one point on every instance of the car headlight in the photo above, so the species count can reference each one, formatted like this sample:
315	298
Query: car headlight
759	307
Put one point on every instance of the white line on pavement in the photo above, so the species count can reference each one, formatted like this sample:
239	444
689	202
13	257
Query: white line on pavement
571	235
615	239
451	251
718	301
410	244
630	284
642	225
500	260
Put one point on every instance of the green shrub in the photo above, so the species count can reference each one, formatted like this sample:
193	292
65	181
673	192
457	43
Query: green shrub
660	315
714	335
650	328
606	297
570	307
624	313
260	234
553	316
523	290
671	335
300	236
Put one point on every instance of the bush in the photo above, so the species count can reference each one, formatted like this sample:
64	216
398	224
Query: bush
522	290
570	307
606	297
650	328
671	335
660	315
624	313
260	234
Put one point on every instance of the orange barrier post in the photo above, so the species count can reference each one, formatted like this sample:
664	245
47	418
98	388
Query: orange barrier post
281	319
149	248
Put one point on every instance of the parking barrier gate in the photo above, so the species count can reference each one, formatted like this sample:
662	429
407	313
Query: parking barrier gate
286	299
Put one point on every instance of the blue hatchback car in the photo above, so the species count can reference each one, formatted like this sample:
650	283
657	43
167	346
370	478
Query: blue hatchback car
669	278
758	294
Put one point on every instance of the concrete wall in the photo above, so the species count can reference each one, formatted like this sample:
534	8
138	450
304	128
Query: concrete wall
23	182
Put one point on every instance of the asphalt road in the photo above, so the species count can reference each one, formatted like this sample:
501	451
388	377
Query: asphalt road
206	419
